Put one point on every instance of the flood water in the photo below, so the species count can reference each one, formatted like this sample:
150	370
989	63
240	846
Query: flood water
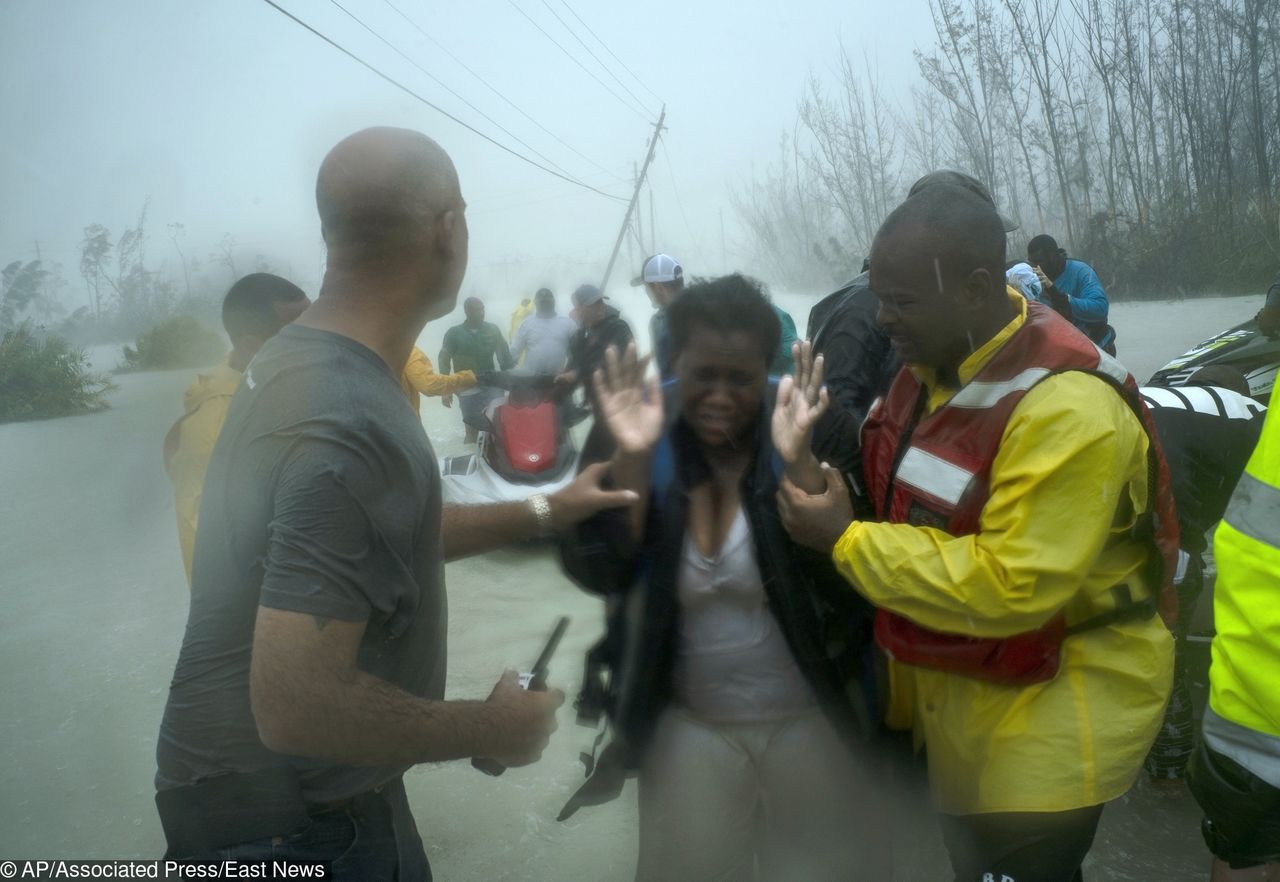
95	604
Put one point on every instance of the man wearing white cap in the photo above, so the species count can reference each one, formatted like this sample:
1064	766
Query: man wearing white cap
663	280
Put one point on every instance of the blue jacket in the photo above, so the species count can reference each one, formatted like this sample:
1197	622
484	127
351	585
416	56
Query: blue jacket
1088	300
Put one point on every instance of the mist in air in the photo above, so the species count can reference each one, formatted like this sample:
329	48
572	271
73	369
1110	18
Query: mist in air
157	152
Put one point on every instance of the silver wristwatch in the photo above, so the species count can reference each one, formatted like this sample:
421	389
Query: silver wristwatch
541	508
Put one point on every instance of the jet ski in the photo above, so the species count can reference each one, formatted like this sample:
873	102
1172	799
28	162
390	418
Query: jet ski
524	445
1244	347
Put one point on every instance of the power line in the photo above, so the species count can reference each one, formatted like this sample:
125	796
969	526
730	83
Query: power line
444	86
680	202
495	91
583	44
642	114
634	75
437	108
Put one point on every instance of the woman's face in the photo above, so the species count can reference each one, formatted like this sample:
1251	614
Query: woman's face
722	382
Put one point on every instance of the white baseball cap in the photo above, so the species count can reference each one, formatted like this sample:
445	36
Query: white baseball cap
659	268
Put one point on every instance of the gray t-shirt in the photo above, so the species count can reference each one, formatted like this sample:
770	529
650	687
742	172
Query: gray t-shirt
545	339
322	497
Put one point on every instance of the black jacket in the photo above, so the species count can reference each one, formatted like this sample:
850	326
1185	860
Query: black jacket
1207	451
859	364
587	345
827	625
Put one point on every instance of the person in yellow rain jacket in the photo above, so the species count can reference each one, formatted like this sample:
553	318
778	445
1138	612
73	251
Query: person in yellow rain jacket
1011	486
1235	770
255	308
420	378
522	312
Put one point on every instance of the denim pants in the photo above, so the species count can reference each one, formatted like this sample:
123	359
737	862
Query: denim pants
372	838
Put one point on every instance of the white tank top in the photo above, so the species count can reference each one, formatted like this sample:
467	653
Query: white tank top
733	663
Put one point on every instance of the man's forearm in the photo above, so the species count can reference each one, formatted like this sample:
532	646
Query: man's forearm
475	529
361	720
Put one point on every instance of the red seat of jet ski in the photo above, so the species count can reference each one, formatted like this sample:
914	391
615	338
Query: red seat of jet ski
528	436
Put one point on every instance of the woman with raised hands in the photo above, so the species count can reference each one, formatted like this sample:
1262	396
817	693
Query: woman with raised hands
734	657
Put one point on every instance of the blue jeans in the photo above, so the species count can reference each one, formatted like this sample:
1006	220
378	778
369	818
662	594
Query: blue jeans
373	838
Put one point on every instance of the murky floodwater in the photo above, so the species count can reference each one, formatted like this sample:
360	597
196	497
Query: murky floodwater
95	603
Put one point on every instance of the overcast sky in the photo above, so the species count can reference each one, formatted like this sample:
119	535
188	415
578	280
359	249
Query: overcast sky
221	111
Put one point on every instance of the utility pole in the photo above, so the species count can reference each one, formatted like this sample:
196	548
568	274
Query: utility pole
653	223
626	220
637	221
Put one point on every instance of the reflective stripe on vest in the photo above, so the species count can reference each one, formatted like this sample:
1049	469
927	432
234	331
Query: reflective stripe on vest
933	475
1255	510
1110	366
980	394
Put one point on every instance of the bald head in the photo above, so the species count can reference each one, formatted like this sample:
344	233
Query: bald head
955	226
937	266
380	190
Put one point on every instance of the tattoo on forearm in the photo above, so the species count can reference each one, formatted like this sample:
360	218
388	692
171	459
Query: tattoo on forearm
322	622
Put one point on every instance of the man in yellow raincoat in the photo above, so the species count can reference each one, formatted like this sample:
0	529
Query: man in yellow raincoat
1010	486
420	378
255	308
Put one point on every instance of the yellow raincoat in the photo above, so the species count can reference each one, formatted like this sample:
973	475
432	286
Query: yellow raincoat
420	378
189	444
523	311
1070	473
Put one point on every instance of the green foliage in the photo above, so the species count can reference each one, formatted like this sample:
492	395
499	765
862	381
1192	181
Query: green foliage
27	288
44	377
179	342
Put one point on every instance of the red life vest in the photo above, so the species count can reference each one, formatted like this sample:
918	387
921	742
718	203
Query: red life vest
935	471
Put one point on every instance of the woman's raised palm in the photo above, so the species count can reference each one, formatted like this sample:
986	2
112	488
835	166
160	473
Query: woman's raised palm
802	400
629	406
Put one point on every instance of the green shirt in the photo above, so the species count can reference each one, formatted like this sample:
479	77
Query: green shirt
474	349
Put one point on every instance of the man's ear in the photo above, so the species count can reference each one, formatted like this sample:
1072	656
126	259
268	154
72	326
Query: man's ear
976	290
445	233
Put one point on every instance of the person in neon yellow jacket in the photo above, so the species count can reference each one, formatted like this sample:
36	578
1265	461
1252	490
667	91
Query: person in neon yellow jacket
1235	770
255	308
1020	773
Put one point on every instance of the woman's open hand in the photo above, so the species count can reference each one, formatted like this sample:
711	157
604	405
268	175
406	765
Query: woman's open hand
802	400
629	406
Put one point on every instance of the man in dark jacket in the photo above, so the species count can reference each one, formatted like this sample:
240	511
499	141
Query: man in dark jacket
859	366
602	327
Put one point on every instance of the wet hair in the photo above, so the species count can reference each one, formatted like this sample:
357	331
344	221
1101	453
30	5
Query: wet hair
725	305
1222	375
249	307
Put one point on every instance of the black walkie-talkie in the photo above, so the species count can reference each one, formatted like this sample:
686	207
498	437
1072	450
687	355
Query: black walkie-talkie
535	681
